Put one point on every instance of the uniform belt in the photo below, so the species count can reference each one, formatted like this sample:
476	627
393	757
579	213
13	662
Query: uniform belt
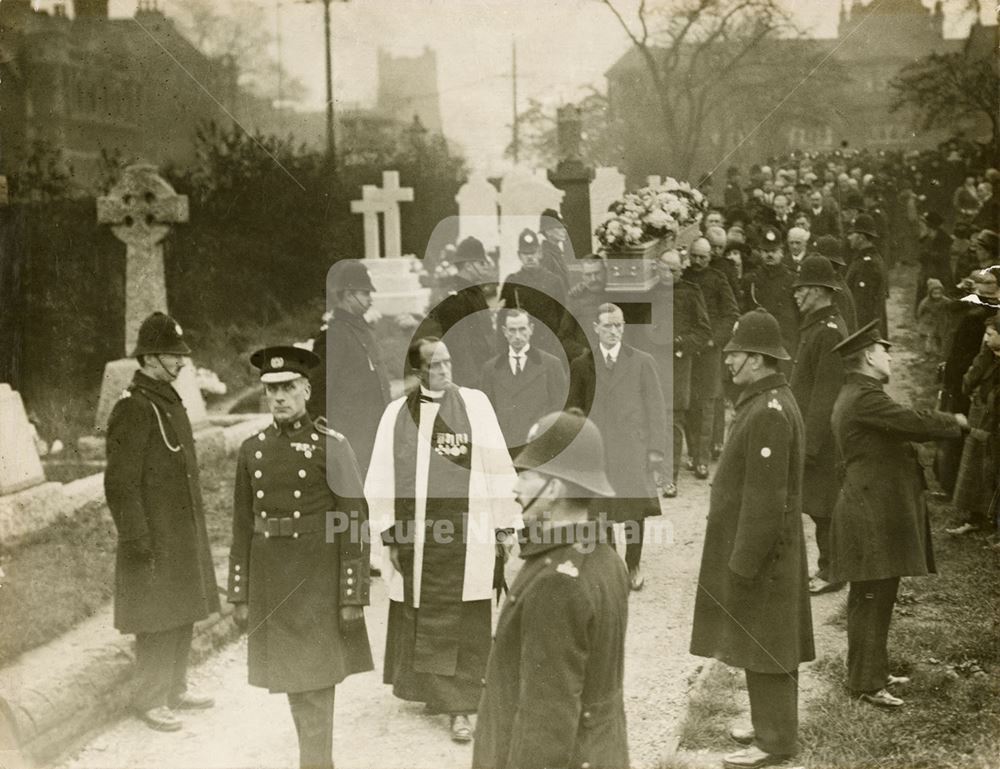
289	527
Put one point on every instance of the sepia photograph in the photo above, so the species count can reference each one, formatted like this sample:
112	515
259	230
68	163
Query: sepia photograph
499	384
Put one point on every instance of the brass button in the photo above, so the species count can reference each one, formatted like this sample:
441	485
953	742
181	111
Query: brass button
314	436
267	535
236	577
296	514
296	493
302	473
308	454
350	580
586	714
350	571
237	567
349	591
260	494
263	514
295	535
236	589
260	436
258	454
257	474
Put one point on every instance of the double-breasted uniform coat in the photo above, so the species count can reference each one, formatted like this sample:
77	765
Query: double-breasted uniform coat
868	282
720	301
521	400
752	605
553	690
627	406
880	528
152	487
298	556
771	287
816	380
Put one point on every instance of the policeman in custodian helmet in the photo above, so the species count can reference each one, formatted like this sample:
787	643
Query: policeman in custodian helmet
298	568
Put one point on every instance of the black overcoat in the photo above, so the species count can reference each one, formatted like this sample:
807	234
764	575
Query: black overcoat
868	283
772	288
288	479
627	406
520	401
152	487
880	527
752	605
553	694
816	380
462	319
706	370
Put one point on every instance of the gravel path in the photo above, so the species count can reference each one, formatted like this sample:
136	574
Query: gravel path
251	728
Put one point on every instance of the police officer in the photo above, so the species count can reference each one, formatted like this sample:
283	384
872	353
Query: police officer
880	530
537	291
164	577
866	276
816	380
553	688
752	606
298	567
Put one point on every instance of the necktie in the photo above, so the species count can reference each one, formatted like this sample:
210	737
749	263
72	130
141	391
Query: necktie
609	361
518	364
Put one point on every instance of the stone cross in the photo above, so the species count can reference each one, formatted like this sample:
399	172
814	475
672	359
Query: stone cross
140	209
375	201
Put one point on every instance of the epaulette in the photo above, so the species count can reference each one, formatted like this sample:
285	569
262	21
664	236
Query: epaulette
322	427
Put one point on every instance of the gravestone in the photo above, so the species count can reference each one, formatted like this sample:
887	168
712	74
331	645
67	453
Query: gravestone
478	215
573	177
385	201
141	208
523	197
607	187
27	501
396	278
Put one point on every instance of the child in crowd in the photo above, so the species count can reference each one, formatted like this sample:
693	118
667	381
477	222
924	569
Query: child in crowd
932	318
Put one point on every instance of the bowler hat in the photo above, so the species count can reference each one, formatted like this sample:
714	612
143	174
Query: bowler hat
567	445
830	247
865	336
758	332
160	334
549	220
864	225
816	270
282	363
469	250
350	275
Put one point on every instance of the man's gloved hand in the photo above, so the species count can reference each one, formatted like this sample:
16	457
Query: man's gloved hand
241	616
139	550
351	615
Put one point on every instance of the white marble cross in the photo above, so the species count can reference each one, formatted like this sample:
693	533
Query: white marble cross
140	209
385	201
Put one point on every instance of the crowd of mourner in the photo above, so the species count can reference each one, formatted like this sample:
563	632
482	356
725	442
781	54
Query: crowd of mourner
551	415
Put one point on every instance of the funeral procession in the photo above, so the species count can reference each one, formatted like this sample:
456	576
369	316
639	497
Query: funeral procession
499	384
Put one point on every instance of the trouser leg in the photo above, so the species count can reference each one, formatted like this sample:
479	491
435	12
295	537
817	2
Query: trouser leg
680	419
823	543
701	416
719	422
154	663
869	612
312	713
774	711
635	532
182	651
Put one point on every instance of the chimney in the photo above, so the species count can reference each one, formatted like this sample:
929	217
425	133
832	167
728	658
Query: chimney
90	9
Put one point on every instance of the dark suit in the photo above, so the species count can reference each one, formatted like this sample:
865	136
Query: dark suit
880	530
541	295
824	222
627	406
869	284
772	288
519	401
472	343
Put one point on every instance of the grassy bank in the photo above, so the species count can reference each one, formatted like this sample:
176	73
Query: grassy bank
65	573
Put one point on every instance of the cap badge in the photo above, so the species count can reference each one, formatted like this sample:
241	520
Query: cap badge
177	328
277	361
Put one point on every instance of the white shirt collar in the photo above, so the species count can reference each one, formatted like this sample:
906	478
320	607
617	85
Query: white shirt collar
613	352
435	394
524	351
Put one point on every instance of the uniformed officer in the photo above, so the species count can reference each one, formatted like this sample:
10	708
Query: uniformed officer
880	530
298	567
866	276
553	689
164	577
816	380
752	606
537	291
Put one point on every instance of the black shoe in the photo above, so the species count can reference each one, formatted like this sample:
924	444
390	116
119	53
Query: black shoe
461	729
192	701
882	699
162	719
669	490
716	451
701	472
742	735
751	758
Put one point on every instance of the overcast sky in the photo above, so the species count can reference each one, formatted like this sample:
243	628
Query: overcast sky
563	45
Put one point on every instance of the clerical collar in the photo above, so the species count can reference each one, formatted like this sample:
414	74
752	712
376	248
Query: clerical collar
524	351
613	352
433	394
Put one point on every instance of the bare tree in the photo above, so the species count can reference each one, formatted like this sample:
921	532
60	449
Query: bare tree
946	87
702	55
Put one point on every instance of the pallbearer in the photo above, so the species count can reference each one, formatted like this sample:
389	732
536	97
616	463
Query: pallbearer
298	567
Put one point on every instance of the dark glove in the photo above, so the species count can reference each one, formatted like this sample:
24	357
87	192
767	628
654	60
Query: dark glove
241	616
138	550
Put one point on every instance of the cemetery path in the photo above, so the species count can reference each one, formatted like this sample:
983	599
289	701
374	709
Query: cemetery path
251	728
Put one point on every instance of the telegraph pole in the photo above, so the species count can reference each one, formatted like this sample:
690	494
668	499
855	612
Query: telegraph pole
331	138
515	143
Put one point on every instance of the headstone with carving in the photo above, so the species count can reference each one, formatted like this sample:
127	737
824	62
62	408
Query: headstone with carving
573	177
607	187
523	197
477	211
141	209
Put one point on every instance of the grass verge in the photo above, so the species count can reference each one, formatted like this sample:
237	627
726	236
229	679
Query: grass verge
945	635
714	705
64	574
